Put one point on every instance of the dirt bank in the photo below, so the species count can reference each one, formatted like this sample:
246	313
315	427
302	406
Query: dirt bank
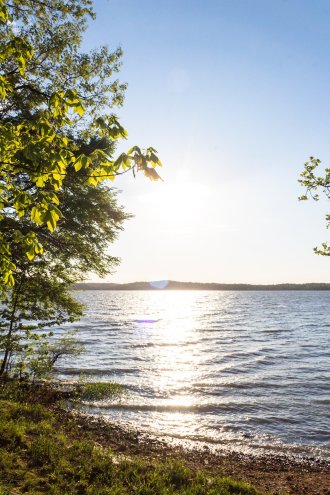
270	473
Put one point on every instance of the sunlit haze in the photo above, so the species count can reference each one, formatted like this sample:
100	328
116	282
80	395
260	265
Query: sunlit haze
234	95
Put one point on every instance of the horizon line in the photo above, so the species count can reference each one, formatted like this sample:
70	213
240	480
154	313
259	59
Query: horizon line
175	284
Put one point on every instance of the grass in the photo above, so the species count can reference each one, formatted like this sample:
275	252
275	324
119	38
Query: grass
44	452
99	390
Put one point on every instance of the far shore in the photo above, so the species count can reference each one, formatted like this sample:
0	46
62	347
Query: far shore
164	285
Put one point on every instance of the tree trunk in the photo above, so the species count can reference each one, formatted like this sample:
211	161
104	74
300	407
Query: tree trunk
10	331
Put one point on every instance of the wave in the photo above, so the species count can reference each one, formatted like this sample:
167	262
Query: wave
95	371
217	387
184	408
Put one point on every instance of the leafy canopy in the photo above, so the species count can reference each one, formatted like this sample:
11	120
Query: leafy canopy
54	101
313	183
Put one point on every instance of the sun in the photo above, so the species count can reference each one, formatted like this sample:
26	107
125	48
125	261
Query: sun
178	204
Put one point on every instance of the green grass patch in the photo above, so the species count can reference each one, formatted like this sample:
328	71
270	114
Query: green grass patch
99	391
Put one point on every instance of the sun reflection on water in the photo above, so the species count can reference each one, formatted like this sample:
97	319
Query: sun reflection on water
174	354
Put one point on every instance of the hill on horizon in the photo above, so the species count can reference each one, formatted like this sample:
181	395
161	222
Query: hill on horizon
176	285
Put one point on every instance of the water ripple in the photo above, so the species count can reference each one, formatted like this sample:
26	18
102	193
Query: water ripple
239	368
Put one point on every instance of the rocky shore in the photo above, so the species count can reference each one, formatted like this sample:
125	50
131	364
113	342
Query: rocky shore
277	475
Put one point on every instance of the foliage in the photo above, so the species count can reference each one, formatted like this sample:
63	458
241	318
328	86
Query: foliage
25	346
42	297
57	141
42	452
312	183
47	353
54	101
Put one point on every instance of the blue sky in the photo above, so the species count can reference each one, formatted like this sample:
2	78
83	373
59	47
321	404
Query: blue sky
234	95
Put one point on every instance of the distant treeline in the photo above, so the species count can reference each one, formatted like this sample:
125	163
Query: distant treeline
173	285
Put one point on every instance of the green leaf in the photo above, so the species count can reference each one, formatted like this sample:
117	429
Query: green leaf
30	253
78	165
51	223
40	181
36	215
78	107
135	149
151	174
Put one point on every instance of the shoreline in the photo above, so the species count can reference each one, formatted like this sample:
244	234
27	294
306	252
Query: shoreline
276	474
47	448
300	454
218	445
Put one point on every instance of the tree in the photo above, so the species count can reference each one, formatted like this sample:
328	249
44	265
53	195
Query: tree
57	140
37	300
312	183
55	103
41	296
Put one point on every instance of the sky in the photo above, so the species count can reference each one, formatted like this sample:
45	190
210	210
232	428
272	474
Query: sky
234	95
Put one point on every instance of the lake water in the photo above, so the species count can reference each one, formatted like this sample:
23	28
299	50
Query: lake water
240	370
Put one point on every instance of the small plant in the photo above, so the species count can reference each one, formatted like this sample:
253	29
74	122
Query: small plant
44	450
99	391
11	433
178	475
